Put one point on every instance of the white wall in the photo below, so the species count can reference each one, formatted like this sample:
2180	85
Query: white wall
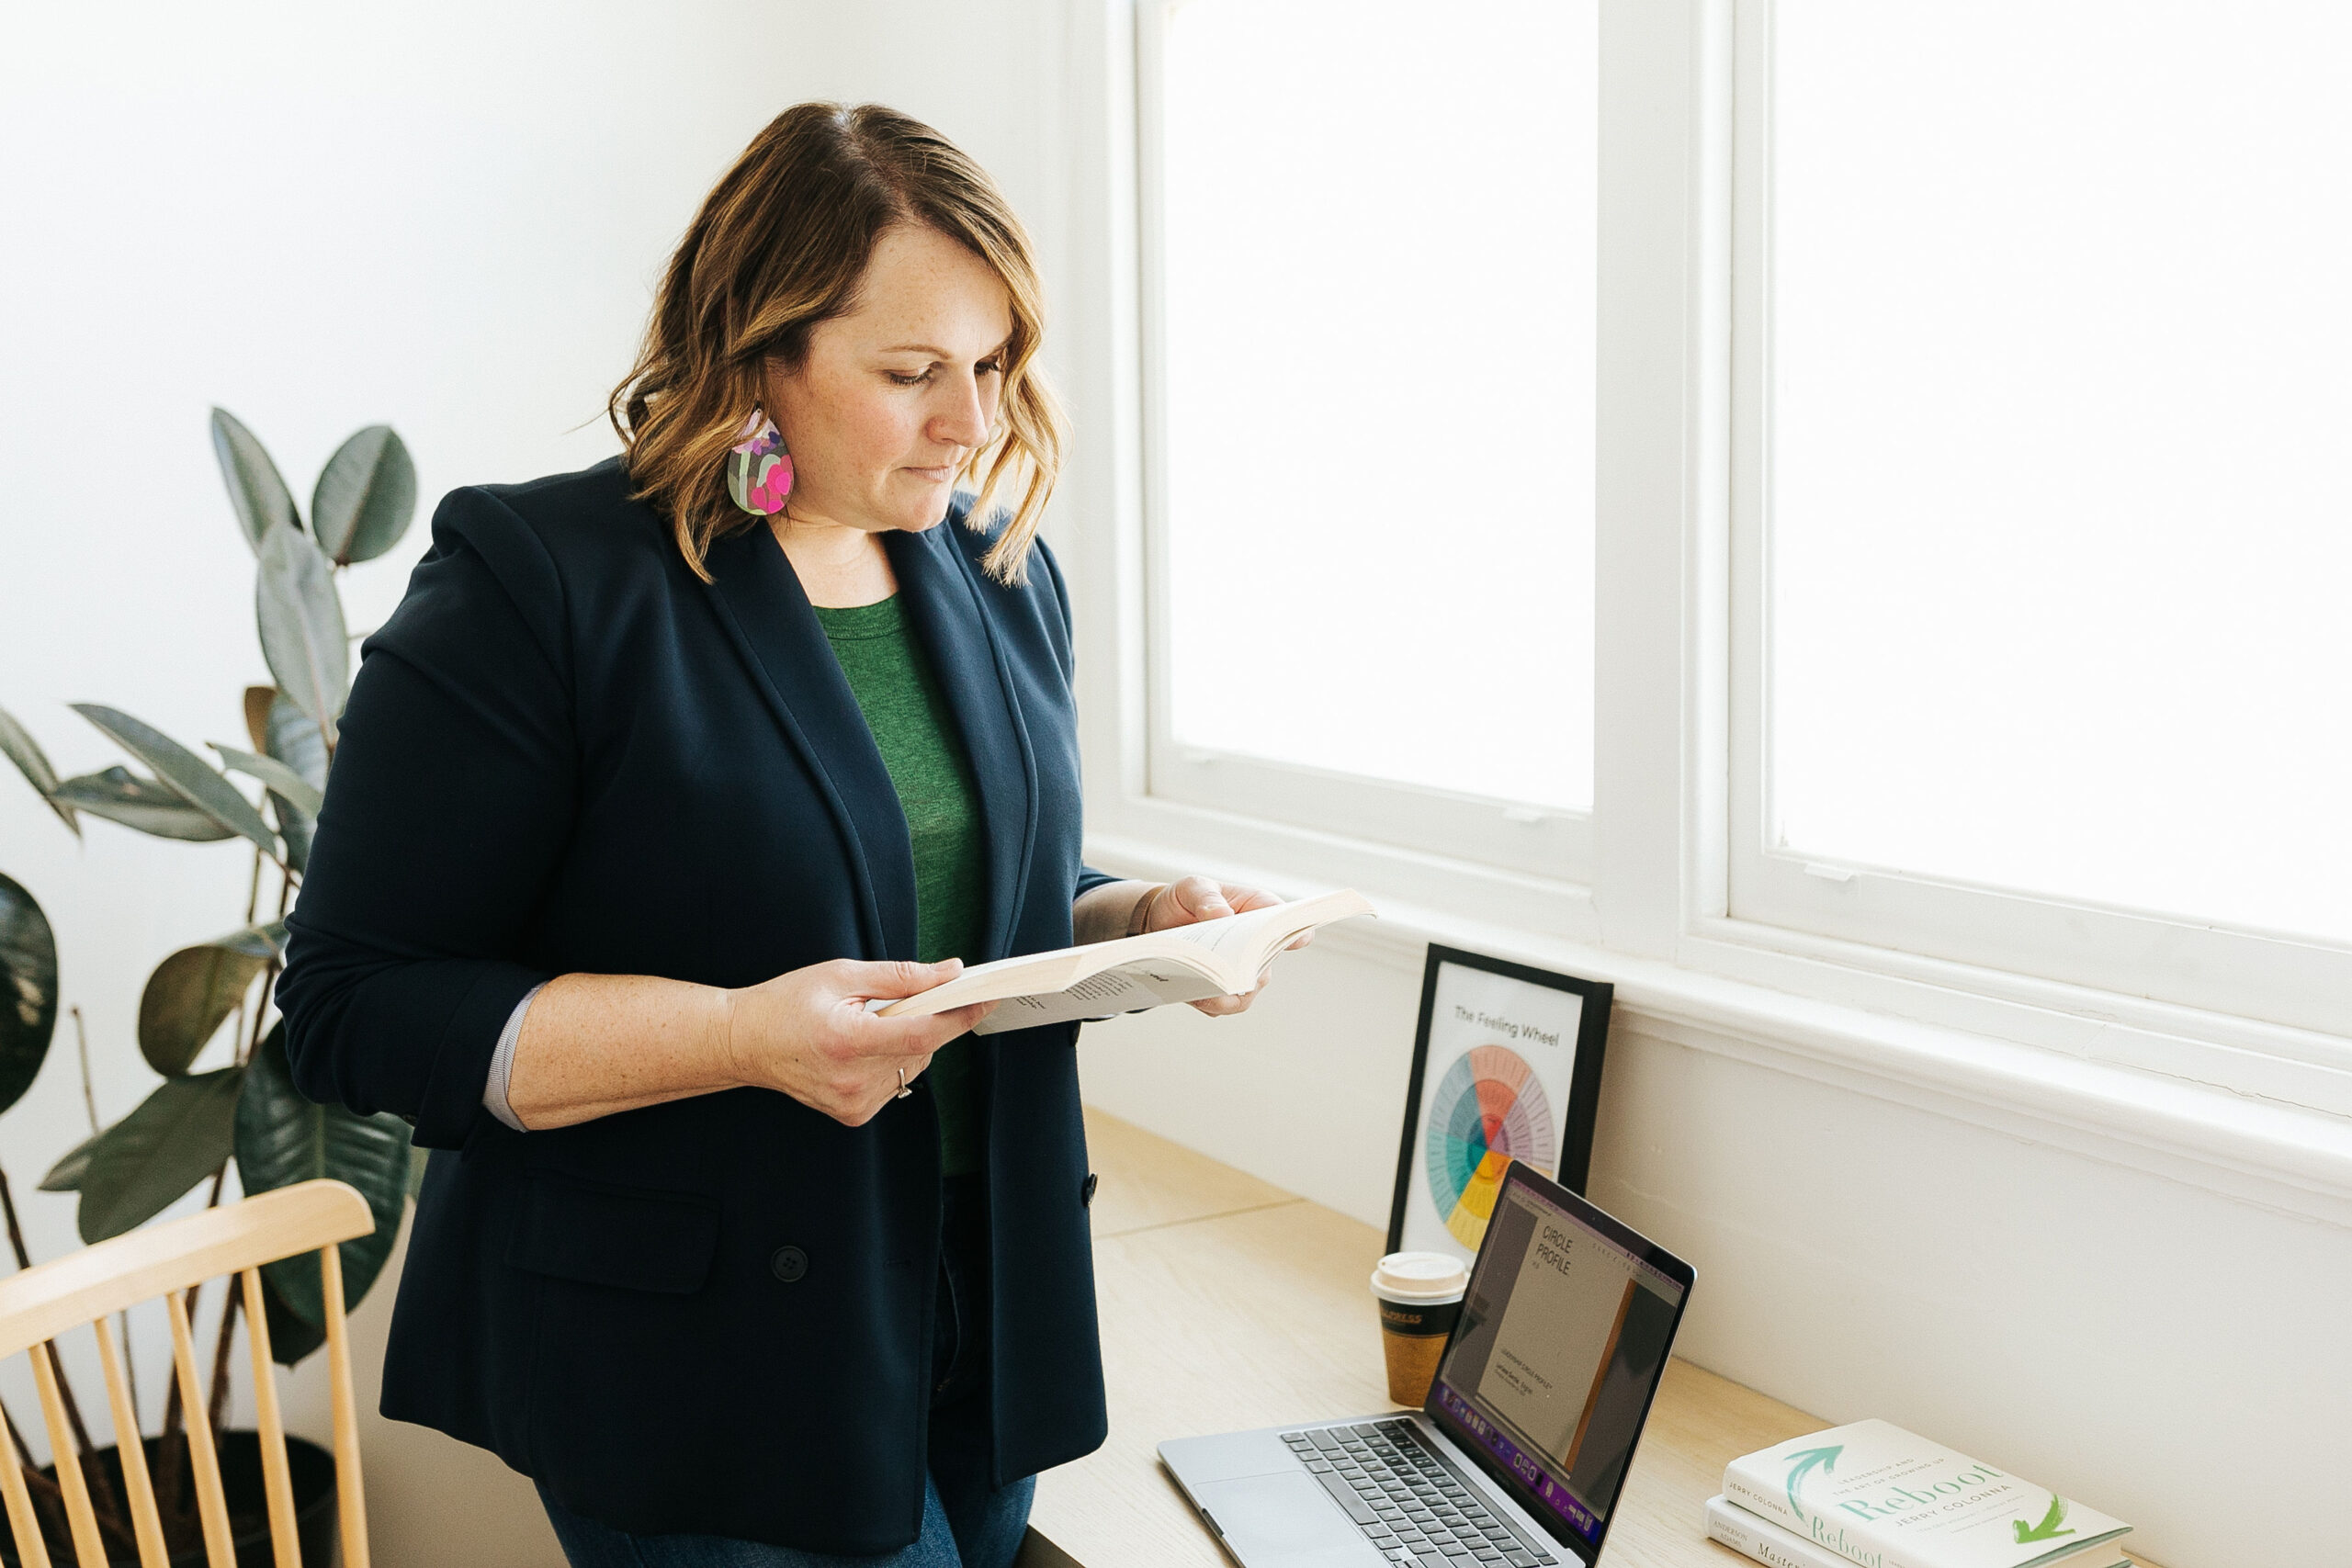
443	217
2167	1355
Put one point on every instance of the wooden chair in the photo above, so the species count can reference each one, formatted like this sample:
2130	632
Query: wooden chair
90	1286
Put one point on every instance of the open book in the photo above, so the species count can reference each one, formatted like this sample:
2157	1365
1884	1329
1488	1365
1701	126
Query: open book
1183	963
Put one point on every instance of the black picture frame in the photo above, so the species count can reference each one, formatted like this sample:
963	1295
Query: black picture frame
1583	1079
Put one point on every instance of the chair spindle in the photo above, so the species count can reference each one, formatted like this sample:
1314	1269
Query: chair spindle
89	1549
211	1502
351	1501
276	1483
146	1524
23	1523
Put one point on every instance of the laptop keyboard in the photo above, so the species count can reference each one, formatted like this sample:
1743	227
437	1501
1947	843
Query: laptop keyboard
1413	1502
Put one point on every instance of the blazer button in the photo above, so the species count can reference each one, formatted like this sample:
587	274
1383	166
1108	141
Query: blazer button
1086	1191
789	1264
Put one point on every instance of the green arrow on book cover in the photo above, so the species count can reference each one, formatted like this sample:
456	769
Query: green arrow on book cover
1801	1464
2048	1529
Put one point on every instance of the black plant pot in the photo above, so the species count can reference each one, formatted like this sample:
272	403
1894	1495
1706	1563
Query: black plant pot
310	1468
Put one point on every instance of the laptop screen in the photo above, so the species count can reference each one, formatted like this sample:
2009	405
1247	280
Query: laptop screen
1563	1336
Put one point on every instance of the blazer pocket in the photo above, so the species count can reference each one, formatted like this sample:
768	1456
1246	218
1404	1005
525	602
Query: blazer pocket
629	1238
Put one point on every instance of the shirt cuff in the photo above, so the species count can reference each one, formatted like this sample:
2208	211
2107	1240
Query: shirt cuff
502	1062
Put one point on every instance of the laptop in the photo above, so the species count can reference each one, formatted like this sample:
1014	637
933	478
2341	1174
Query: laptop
1519	1454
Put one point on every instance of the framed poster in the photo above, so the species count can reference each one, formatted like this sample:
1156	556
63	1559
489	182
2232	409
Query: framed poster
1506	1065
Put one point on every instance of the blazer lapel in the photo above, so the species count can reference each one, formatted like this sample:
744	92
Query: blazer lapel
937	580
760	601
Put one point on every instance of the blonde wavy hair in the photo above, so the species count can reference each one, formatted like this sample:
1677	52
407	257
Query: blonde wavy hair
778	246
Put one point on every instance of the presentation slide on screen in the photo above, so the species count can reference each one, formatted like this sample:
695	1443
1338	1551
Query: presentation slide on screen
1563	1348
1556	1333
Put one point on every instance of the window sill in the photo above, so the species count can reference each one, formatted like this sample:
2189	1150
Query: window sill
2051	1064
1153	829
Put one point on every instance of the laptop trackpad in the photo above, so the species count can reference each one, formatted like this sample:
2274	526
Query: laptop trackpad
1284	1520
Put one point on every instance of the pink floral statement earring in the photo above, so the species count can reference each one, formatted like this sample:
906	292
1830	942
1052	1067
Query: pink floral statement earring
759	471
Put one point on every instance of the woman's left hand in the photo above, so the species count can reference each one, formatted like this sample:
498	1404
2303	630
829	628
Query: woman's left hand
1192	898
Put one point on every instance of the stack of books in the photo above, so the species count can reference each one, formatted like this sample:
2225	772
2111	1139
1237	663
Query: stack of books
1874	1494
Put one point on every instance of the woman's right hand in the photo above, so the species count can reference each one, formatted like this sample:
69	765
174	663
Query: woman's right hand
808	1033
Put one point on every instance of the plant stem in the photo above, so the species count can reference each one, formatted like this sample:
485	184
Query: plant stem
16	1231
252	902
89	1094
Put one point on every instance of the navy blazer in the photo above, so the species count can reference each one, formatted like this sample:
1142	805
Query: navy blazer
566	752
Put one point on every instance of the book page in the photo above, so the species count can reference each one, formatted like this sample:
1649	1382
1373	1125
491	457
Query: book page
1236	946
1144	984
1233	940
1043	971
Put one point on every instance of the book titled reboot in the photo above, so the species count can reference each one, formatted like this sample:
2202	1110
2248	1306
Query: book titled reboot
1881	1497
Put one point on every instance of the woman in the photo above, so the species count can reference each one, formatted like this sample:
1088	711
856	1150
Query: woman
660	773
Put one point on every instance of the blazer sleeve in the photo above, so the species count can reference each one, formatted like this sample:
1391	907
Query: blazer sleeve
452	795
1089	879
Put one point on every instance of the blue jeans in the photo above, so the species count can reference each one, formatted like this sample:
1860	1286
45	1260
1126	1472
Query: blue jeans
985	1534
966	1523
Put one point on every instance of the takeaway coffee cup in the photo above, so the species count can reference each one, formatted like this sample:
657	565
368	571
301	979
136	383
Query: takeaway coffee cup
1420	1295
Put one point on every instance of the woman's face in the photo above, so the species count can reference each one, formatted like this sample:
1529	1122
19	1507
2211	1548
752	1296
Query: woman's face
895	395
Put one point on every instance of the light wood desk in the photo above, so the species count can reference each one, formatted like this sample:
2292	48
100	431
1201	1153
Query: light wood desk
1229	1303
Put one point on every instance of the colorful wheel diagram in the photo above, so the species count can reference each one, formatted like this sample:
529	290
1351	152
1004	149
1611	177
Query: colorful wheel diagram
1488	1110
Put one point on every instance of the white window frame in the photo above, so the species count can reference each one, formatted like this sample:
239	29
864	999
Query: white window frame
2300	984
1551	843
2092	1055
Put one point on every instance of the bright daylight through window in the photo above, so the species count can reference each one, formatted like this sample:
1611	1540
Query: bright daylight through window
2059	521
1376	283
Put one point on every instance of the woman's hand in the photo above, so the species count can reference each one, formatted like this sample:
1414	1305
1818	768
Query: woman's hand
806	1033
1192	898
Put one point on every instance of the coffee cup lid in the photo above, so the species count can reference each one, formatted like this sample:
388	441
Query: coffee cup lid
1419	1277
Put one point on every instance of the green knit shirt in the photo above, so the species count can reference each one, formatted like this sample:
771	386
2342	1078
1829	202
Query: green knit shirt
899	693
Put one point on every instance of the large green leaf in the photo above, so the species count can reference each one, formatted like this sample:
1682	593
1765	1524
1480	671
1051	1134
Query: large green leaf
281	779
256	490
33	762
182	771
291	1335
67	1174
28	990
294	739
286	733
120	796
191	993
366	497
283	1138
142	1164
302	626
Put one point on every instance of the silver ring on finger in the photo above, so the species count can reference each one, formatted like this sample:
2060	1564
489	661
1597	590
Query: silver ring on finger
903	1091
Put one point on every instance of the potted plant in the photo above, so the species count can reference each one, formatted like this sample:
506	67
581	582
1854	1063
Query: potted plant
210	1001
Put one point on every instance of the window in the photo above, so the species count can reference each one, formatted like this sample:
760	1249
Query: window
2043	529
1947	620
1369	287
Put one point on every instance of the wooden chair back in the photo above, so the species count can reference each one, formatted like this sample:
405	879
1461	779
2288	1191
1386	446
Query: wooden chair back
87	1288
